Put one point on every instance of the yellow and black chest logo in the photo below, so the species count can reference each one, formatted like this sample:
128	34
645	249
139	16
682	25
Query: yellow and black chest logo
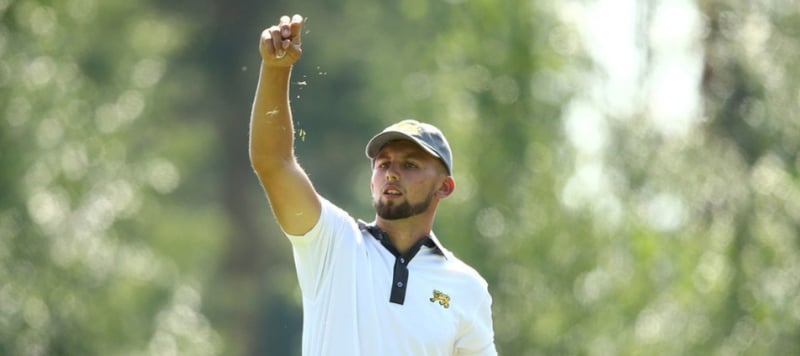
443	299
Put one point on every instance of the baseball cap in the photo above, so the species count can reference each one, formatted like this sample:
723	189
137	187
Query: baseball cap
427	136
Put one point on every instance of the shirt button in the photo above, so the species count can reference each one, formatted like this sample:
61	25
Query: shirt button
399	284
402	260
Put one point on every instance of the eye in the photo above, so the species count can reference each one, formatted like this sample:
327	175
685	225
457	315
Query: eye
382	164
410	165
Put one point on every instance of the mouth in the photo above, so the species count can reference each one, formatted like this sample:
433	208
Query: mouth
392	191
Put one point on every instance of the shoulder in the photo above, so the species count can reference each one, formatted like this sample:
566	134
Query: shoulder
471	277
461	273
333	220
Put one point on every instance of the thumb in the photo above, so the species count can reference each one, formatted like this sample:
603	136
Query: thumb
296	27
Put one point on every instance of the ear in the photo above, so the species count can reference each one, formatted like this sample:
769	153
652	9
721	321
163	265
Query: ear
446	188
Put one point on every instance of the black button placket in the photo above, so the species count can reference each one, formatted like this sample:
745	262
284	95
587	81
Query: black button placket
399	281
400	273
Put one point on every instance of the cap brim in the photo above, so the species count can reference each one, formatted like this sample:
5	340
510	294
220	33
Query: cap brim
376	143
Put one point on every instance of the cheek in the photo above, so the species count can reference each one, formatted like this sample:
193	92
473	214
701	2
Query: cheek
373	183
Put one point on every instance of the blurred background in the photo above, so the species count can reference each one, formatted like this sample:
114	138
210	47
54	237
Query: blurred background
628	178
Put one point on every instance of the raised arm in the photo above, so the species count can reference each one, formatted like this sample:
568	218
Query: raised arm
293	199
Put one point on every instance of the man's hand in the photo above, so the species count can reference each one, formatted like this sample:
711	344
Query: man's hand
280	44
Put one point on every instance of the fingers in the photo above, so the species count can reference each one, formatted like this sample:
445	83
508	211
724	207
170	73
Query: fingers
296	29
277	41
286	33
267	46
284	37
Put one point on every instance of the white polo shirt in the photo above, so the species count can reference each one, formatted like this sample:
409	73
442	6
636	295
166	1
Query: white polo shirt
347	278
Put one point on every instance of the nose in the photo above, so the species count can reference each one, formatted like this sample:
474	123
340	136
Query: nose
391	173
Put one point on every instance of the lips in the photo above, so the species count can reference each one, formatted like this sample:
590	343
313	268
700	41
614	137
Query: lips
392	191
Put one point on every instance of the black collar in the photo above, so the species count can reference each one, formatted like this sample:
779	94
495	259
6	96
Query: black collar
384	239
400	274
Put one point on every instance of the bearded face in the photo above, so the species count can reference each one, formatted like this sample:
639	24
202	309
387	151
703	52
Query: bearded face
391	210
405	181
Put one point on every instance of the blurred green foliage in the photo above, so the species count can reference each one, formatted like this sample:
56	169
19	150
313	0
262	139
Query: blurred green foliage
628	178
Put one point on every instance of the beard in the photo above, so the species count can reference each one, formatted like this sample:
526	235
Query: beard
392	211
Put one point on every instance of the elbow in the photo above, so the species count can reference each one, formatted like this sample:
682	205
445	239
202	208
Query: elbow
268	156
266	165
261	165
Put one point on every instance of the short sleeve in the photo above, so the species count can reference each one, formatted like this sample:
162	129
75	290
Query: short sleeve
312	250
478	338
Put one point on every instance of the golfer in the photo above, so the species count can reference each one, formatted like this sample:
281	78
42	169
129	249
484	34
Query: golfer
383	288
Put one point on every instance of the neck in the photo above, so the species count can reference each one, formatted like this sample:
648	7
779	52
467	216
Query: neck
404	233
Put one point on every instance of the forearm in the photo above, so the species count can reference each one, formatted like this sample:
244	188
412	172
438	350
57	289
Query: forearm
291	194
271	128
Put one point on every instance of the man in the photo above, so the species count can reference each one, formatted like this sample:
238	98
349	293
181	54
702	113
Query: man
371	289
